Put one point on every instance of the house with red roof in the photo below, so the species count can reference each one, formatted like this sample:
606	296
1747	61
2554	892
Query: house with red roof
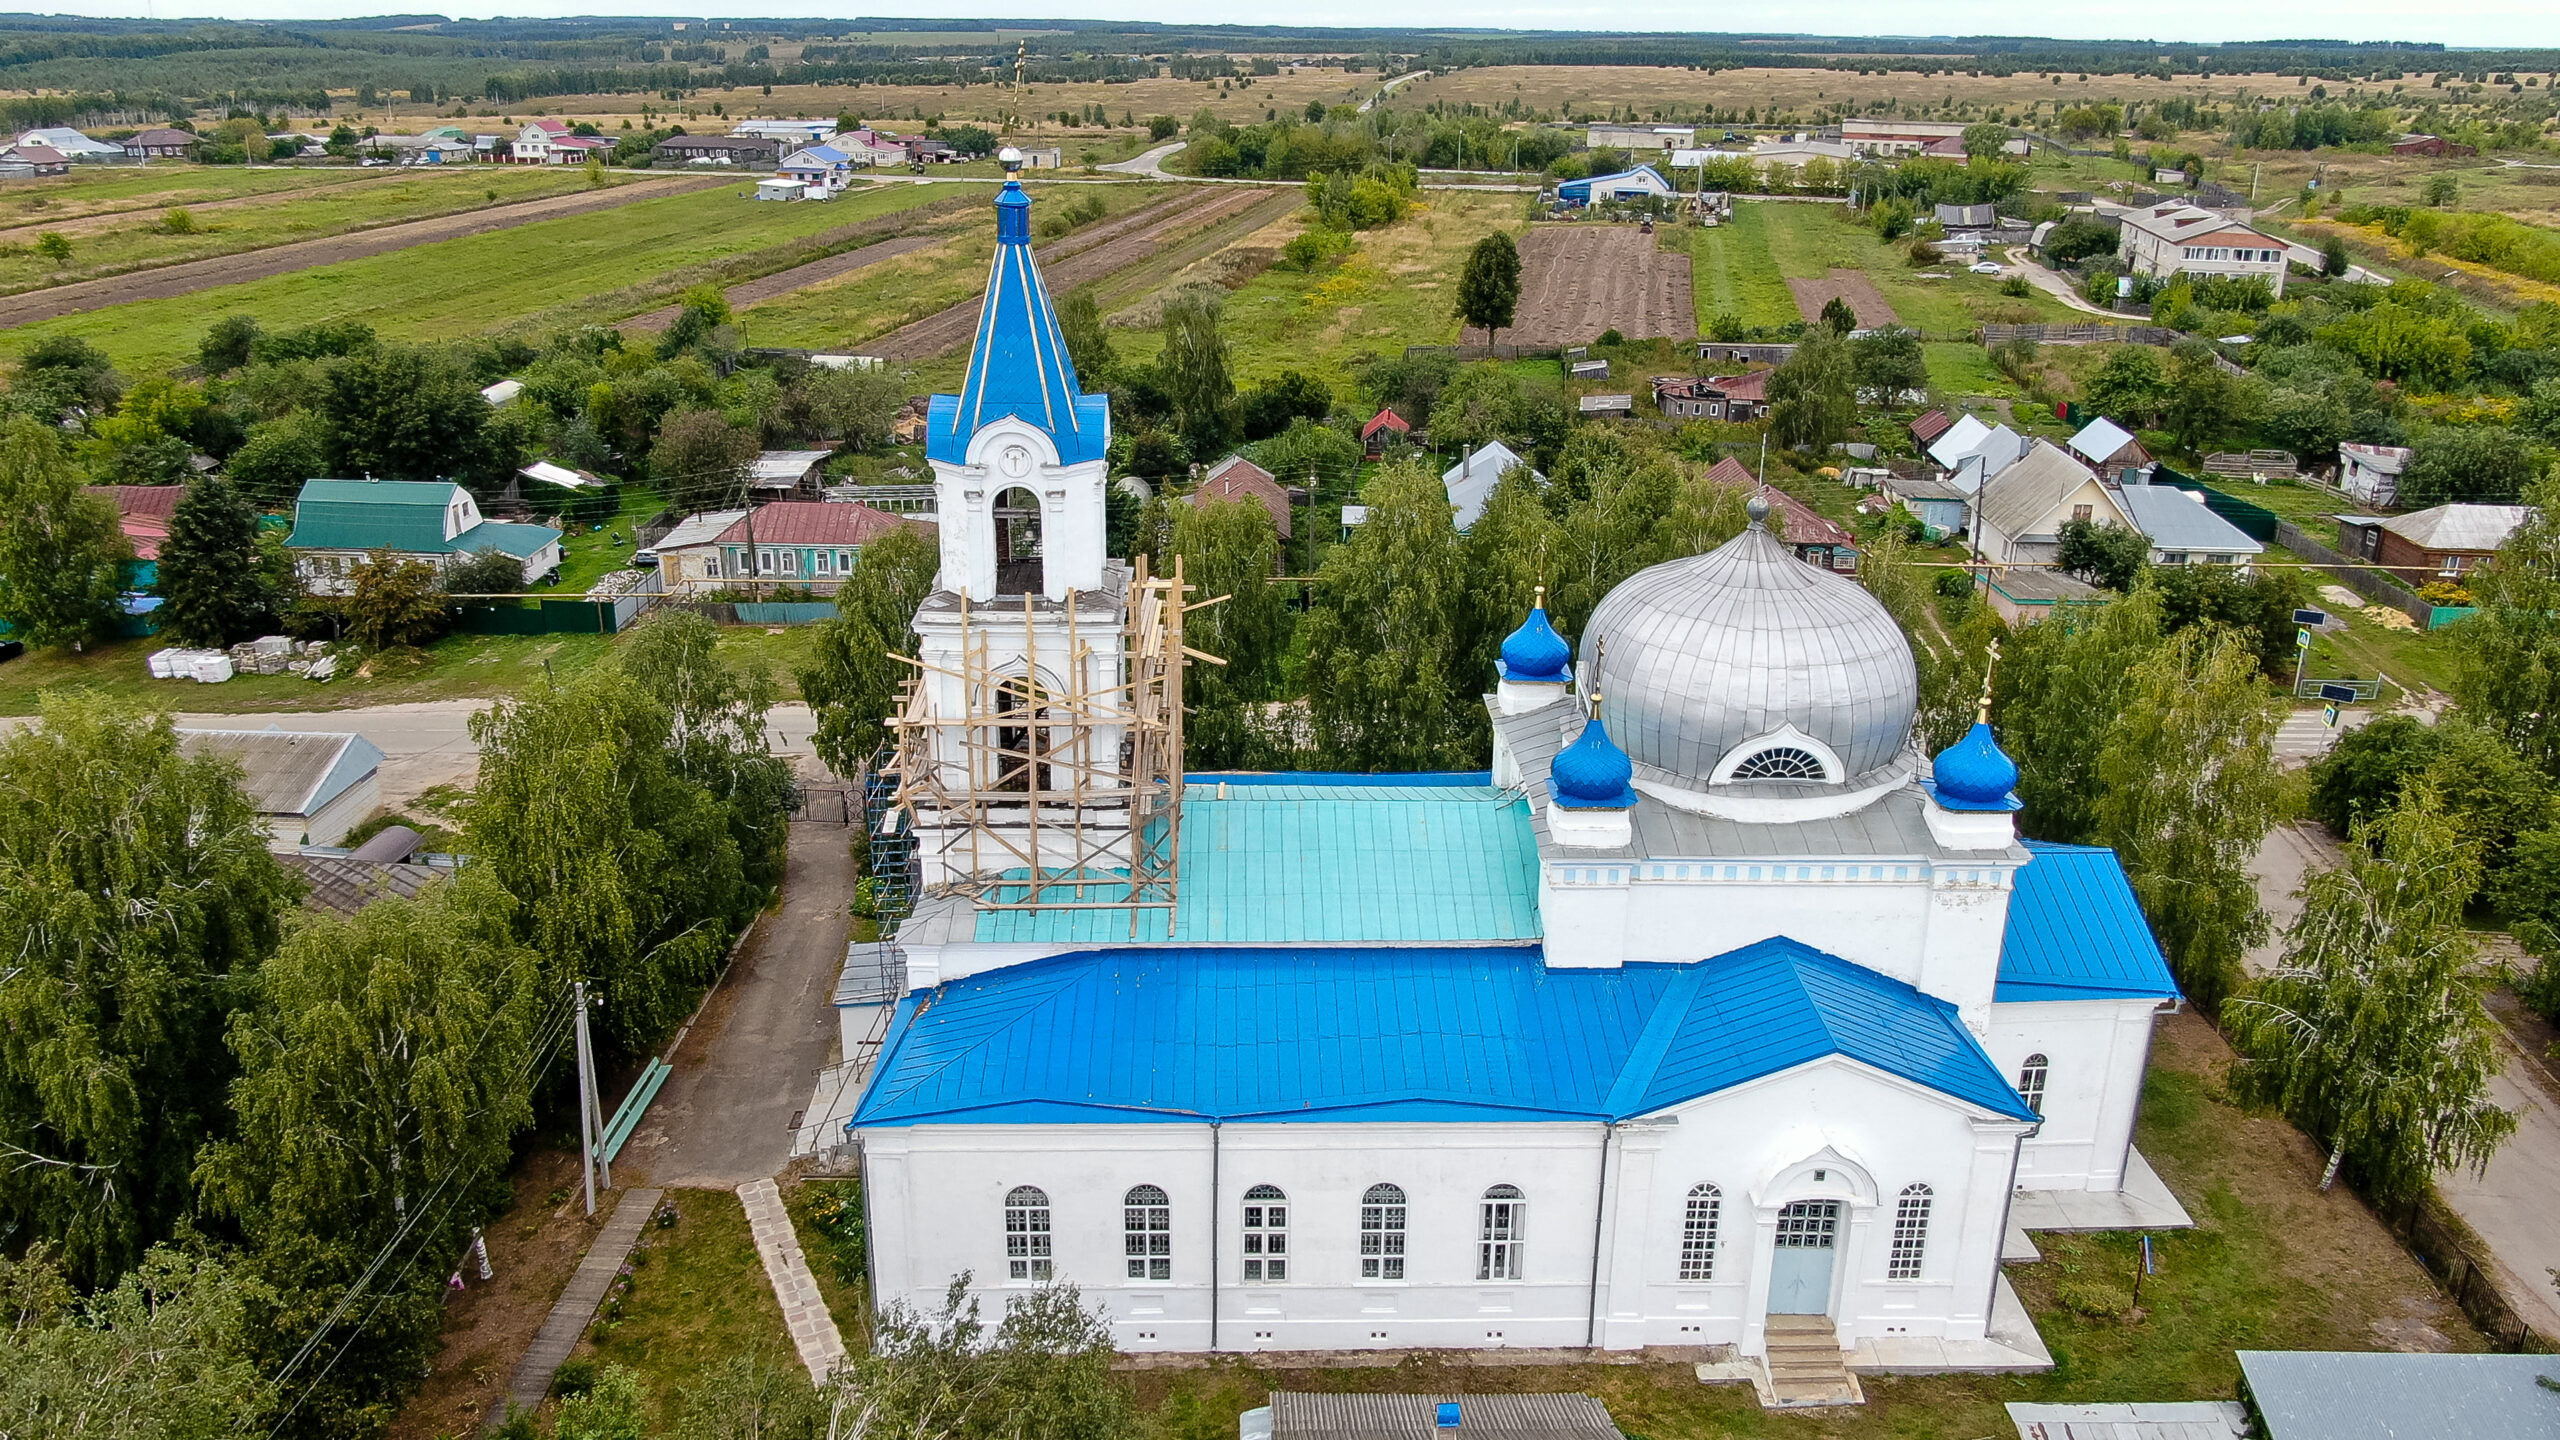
811	543
1816	541
1384	426
144	513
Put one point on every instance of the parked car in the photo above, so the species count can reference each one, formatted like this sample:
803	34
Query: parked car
644	559
1984	267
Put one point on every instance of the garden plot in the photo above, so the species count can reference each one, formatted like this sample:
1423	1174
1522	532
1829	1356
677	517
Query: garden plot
1850	285
1579	280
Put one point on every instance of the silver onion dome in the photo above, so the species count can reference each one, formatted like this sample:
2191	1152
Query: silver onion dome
1699	655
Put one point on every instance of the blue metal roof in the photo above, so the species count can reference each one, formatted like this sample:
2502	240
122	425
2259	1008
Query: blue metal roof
1338	1033
2076	932
1018	364
1408	860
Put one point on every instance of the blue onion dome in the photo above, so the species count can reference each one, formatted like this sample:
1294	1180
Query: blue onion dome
1976	774
1535	652
1592	772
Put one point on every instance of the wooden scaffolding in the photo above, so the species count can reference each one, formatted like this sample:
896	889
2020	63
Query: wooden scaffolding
1042	797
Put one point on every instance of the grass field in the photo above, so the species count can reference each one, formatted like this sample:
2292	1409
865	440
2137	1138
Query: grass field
1734	273
2273	1263
135	240
114	189
477	283
877	299
1395	289
698	1297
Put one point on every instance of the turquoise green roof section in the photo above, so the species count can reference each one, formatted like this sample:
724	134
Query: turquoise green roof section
1315	864
522	541
405	515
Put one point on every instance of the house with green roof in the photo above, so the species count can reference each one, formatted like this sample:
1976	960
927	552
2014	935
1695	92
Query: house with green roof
337	523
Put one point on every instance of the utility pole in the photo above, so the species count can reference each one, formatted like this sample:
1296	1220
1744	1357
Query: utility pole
589	1113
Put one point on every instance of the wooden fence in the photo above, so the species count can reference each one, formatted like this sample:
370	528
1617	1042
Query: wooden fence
2352	574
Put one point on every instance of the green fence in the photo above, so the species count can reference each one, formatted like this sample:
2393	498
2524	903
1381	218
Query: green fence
2255	521
539	617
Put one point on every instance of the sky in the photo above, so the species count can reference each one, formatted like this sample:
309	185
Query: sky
2458	22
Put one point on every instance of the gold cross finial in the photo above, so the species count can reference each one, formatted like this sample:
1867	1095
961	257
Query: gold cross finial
1990	662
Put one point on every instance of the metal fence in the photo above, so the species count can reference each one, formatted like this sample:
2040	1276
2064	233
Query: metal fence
544	616
2101	332
2353	575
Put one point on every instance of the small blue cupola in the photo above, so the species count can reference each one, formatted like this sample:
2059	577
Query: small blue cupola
1975	773
1535	653
1592	773
1018	363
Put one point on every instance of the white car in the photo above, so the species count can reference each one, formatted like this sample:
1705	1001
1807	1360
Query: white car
1984	267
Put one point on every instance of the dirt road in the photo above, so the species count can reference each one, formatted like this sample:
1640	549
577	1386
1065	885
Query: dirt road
1577	281
171	281
1078	259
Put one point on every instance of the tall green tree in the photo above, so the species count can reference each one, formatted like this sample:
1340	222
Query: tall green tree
62	550
1088	338
852	679
2130	386
1489	286
1227	548
2369	1036
1193	365
2189	790
1813	398
1386	682
384	1071
401	412
165	1353
2060	684
716	729
213	585
141	896
2508	681
626	874
393	601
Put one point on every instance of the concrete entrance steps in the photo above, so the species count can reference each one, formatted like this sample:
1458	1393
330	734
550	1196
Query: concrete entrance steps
1805	1365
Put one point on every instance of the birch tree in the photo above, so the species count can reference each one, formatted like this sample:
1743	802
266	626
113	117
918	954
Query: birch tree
1385	680
2369	1036
160	1355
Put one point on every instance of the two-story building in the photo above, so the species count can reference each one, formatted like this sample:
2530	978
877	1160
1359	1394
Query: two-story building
551	142
801	543
2163	241
338	523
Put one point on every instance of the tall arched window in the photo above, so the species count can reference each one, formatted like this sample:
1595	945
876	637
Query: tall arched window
1146	1233
1382	1233
1501	1233
1026	1233
1017	520
2031	1078
1910	1234
1266	1234
1698	1233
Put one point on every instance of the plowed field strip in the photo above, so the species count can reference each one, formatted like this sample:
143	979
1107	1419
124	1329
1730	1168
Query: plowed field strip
1578	281
1077	260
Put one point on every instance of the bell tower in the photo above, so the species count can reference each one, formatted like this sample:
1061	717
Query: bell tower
1041	738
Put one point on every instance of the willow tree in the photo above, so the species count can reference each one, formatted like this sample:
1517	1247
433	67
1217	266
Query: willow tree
2188	793
138	897
2369	1036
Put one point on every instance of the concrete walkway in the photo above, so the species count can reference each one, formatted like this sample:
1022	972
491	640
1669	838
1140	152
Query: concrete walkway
813	1329
2510	1205
576	1308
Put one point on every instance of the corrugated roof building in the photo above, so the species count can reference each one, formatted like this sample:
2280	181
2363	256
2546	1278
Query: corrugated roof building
310	787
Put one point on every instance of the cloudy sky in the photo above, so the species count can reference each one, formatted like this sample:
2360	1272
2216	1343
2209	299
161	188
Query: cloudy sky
2460	22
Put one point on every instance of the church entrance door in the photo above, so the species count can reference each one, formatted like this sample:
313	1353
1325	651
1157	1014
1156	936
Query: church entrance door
1800	1268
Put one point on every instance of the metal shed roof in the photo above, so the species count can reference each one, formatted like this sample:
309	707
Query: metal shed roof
2178	520
2077	933
2336	1395
1414	1417
288	772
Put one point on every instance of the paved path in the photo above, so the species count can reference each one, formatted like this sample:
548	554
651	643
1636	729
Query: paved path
576	1307
2511	1206
727	1114
2290	853
1389	89
804	1310
1149	163
168	281
2054	284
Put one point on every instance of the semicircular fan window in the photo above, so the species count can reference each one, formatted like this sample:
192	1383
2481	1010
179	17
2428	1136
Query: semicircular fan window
1781	762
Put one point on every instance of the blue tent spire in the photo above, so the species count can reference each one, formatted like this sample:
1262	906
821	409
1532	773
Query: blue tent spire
1018	362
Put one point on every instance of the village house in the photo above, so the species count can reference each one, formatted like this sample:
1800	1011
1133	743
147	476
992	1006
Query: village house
2445	542
1382	429
159	144
309	787
2183	531
2173	239
143	512
1236	478
2371	473
1720	397
744	151
2021	509
338	523
1941	508
810	544
786	132
72	143
23	160
1816	541
1470	482
1642	183
2109	448
550	142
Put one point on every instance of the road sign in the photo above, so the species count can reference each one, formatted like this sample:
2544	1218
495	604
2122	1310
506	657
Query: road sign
2341	694
2329	716
2302	639
2310	617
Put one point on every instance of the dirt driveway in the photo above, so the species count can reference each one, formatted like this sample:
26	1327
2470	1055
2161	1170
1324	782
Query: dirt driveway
1579	280
170	281
1850	285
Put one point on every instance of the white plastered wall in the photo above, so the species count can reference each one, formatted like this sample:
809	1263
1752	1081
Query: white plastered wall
2095	1053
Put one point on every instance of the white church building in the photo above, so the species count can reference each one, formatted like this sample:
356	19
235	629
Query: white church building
1711	1007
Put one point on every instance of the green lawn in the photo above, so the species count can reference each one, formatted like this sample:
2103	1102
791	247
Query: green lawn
1733	273
1741	268
1958	367
477	283
589	552
139	241
456	668
697	1297
107	190
877	299
2273	1263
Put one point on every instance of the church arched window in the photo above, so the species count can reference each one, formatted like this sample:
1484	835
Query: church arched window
1910	1233
1266	1234
1017	524
2031	1078
1781	762
1026	1233
1698	1233
1501	1233
1382	1233
1146	1233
